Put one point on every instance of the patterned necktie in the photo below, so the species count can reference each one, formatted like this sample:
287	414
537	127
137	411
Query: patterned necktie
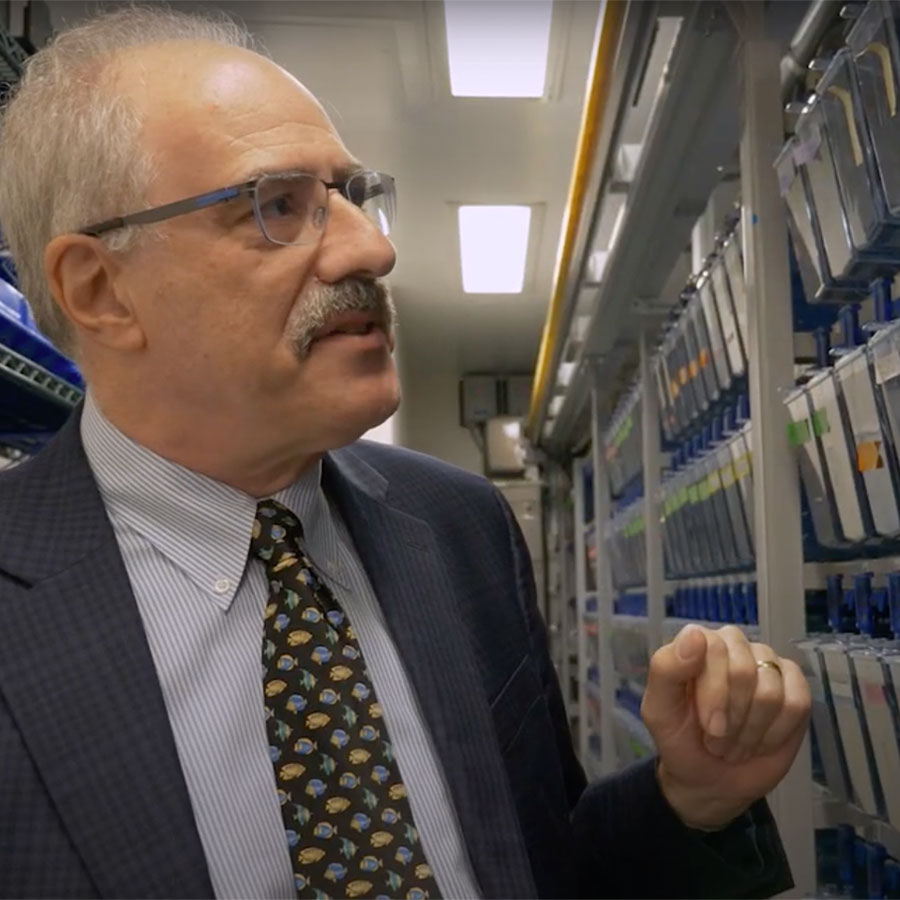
347	818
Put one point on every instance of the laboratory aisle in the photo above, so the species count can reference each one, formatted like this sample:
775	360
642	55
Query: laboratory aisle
729	418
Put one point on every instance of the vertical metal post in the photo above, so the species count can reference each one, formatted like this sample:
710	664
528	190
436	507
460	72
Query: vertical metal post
779	564
565	625
559	575
604	583
651	461
578	468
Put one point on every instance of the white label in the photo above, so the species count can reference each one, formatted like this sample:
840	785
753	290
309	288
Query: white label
887	362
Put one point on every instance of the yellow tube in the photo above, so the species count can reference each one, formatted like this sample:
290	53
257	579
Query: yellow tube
609	27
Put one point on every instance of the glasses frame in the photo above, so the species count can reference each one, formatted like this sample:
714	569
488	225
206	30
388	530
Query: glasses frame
226	194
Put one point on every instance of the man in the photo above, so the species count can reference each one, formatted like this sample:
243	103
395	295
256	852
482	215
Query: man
241	655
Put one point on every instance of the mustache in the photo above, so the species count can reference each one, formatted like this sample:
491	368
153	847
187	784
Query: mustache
323	302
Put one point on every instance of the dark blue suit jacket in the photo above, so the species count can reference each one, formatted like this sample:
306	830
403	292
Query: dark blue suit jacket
93	802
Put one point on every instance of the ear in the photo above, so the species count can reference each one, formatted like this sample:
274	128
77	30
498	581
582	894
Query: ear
84	280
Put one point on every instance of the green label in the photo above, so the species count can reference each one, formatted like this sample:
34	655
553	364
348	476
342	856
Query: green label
798	433
820	422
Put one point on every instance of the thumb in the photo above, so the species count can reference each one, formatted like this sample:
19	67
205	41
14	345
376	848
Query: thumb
672	668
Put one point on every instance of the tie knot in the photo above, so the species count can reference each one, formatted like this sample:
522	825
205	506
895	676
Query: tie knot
276	531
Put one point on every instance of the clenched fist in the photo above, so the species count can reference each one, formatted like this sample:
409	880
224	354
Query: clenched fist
727	716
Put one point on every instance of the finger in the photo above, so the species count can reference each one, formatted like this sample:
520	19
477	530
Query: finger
711	691
742	677
672	668
768	701
794	714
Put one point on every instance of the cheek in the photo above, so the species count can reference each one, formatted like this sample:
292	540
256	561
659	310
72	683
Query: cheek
218	314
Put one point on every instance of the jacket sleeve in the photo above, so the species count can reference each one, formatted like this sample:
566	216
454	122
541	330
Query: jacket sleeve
627	841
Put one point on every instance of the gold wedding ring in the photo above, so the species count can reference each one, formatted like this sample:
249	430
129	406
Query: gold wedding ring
768	664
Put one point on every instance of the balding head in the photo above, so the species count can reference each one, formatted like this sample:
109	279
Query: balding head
69	141
239	106
227	343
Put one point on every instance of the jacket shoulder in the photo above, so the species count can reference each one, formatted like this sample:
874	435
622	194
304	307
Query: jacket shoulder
413	476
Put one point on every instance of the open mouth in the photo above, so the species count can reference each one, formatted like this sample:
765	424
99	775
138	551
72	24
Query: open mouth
364	330
356	323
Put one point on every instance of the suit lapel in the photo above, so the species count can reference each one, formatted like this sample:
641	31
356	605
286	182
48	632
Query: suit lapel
79	679
404	564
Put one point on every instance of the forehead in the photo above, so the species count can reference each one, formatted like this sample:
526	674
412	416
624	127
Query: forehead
212	115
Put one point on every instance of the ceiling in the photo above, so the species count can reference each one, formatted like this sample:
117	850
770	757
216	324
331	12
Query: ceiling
380	69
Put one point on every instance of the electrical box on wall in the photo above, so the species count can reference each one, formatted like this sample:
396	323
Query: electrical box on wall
477	399
518	395
483	397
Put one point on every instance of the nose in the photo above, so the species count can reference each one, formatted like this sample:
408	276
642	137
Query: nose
352	245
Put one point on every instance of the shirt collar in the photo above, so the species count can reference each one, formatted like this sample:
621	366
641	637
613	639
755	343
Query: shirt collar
201	525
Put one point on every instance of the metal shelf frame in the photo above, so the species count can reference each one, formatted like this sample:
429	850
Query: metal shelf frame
777	523
582	529
830	811
36	378
676	172
756	90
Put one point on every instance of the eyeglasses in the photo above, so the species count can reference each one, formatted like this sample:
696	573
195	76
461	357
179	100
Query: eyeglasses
290	208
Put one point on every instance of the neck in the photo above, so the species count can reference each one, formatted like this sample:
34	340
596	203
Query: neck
215	447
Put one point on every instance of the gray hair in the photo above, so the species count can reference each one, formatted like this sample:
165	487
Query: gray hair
70	152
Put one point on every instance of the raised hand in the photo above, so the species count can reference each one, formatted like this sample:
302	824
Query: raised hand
727	716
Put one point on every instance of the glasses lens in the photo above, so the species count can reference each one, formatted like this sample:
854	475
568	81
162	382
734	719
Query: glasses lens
291	209
375	195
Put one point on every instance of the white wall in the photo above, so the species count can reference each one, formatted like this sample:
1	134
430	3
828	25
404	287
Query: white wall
385	433
428	417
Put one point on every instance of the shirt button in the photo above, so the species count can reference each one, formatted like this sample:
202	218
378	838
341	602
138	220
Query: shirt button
222	586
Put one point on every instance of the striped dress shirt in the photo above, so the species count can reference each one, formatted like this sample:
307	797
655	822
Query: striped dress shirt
185	541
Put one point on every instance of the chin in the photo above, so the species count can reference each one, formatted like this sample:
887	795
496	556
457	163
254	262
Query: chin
361	409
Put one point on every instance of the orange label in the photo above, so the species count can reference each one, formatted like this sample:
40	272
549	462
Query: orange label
873	693
673	386
868	456
682	375
693	368
704	358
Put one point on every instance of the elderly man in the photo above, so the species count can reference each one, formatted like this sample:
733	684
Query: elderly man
240	654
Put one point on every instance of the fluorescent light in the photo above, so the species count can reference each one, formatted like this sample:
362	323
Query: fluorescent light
555	405
498	49
493	242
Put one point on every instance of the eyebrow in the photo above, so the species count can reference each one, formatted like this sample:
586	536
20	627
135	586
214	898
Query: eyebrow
340	173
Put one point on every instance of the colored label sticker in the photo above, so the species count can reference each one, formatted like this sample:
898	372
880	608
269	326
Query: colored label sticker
820	422
868	456
798	432
873	693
